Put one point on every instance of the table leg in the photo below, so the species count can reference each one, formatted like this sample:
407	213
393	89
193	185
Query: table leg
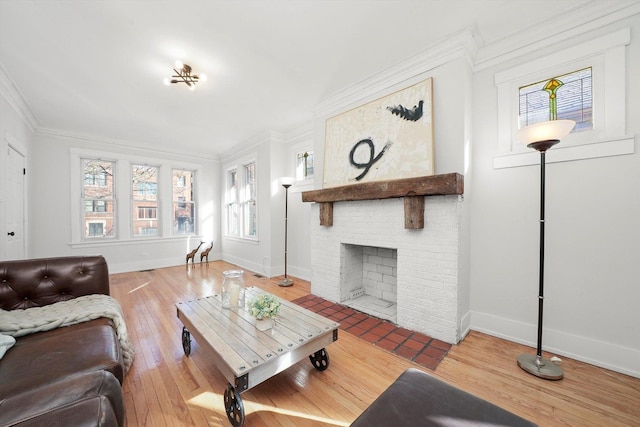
233	406
320	359
186	341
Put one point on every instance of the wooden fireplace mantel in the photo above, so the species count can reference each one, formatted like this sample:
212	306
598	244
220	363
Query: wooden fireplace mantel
413	190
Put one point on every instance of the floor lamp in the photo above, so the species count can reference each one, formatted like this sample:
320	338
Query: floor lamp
541	137
286	183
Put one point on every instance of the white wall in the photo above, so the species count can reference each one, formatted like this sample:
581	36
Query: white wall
51	218
299	248
592	234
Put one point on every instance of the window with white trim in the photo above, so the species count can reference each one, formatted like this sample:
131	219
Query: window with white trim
124	198
304	165
241	203
566	97
98	199
231	203
184	205
144	200
249	202
602	134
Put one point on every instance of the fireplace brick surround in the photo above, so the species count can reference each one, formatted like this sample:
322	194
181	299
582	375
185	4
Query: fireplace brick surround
430	297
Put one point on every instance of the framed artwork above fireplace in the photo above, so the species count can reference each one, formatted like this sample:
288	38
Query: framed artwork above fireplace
389	138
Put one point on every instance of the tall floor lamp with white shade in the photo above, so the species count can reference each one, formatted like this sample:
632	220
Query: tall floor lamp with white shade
541	137
286	182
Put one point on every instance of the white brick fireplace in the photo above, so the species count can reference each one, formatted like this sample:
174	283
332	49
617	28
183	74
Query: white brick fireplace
427	278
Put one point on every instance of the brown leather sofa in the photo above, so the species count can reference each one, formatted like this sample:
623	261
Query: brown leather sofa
416	398
66	376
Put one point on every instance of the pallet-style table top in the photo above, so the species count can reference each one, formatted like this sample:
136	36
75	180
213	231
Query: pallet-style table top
245	355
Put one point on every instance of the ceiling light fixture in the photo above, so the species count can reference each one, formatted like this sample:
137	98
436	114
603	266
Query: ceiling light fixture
183	75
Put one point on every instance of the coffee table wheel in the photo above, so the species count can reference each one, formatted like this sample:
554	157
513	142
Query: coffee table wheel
233	406
320	359
186	341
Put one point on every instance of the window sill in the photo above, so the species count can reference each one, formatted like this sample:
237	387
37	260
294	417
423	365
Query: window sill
132	241
605	148
251	240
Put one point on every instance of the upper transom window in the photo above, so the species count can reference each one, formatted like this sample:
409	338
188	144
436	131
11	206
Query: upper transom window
566	97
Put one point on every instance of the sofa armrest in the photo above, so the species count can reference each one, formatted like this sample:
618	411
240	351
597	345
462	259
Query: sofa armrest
43	404
38	282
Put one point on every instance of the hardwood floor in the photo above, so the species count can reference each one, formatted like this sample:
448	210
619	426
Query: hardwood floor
164	387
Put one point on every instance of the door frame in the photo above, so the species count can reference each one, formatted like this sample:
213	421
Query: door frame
14	143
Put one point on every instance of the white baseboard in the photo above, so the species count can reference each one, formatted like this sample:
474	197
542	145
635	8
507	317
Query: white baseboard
147	264
465	326
247	265
299	272
606	355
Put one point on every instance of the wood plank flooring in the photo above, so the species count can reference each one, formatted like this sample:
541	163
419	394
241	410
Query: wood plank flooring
166	388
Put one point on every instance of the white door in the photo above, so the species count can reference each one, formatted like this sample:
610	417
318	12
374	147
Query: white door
15	205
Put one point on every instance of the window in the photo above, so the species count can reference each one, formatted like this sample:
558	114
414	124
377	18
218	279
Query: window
249	212
96	229
231	197
183	202
95	206
98	199
144	200
95	178
130	198
241	202
304	165
564	97
589	80
147	212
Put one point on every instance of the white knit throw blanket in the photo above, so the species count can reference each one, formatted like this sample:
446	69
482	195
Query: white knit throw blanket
65	313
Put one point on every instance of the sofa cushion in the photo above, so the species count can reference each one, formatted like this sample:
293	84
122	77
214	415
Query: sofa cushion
46	357
85	399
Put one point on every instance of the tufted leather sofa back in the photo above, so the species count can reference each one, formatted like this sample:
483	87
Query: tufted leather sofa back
38	282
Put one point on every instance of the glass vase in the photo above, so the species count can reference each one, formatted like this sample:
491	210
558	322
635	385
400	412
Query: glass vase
233	289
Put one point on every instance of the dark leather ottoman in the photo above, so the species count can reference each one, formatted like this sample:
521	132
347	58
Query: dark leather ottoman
418	399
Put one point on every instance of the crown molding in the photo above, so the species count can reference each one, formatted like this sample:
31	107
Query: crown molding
124	145
468	44
252	143
9	91
302	133
565	25
463	44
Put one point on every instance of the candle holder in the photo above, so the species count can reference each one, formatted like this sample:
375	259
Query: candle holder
233	289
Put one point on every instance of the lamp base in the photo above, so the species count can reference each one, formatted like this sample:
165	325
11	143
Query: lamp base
540	367
285	282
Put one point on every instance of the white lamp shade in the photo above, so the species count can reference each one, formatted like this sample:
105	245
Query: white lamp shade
552	130
287	180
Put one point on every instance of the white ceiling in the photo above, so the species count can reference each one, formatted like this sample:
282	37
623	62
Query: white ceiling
95	68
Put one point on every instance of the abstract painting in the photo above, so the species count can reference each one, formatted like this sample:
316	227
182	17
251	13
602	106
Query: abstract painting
389	138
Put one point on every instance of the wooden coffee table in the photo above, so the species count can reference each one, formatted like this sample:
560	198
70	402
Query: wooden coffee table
246	356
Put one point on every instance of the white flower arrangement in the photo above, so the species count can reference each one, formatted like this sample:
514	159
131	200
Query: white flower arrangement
264	306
